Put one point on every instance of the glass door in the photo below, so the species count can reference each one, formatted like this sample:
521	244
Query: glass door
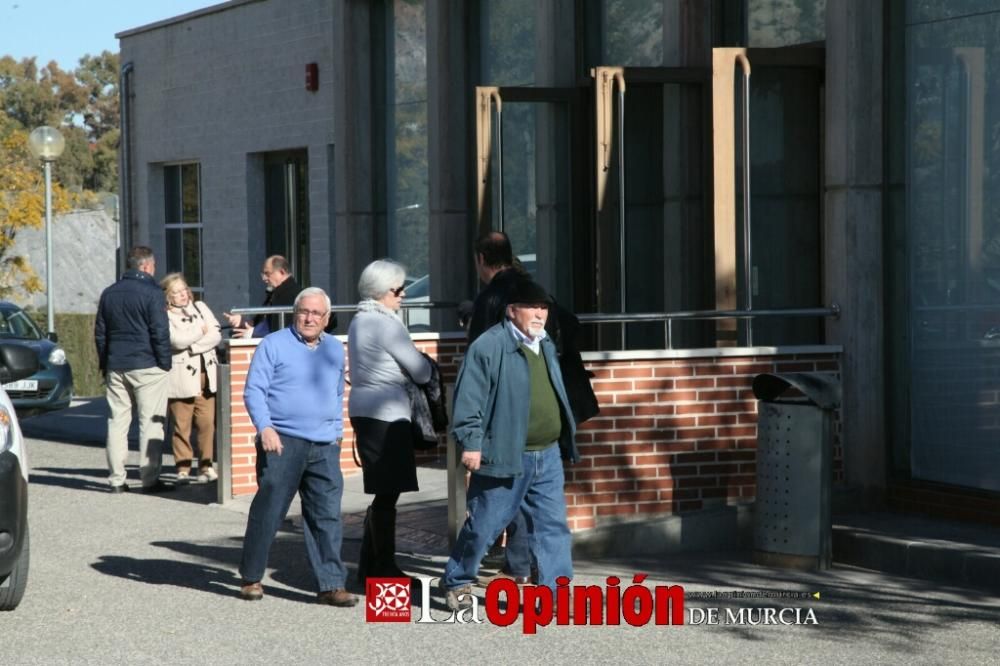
286	210
530	181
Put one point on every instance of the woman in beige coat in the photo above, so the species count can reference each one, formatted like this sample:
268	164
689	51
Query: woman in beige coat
194	334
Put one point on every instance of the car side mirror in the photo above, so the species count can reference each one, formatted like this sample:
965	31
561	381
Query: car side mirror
17	362
53	336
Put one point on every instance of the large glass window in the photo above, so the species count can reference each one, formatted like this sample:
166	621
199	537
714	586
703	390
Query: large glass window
182	221
508	50
633	32
950	237
773	23
408	231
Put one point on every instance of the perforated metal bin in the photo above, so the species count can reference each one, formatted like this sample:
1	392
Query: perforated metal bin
794	454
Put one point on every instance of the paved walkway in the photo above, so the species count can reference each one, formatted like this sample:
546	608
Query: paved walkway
152	579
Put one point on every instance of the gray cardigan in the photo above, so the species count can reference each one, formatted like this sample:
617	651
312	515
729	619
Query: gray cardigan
379	349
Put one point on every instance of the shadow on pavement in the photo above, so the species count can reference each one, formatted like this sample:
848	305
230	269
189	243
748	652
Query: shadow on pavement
96	480
83	422
899	605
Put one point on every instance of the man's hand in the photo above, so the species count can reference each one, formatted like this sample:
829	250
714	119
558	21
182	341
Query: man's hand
471	460
245	332
270	440
234	320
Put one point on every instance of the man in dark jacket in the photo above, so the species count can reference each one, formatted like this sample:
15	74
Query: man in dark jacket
133	349
496	269
281	290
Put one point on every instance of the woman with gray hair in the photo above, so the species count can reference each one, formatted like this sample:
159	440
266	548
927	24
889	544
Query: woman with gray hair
383	361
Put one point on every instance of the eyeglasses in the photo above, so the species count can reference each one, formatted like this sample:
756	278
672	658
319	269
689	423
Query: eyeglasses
310	313
398	290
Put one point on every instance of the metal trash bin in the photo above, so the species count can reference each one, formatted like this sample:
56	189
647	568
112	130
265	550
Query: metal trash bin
794	456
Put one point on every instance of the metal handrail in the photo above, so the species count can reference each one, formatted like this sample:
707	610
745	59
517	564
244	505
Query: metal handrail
668	318
623	318
282	310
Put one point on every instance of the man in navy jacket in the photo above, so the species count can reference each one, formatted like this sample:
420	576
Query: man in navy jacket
133	349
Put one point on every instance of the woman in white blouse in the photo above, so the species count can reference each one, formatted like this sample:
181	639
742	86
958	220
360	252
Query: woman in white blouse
194	334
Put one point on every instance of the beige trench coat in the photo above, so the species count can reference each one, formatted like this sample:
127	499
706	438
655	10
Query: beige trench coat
191	346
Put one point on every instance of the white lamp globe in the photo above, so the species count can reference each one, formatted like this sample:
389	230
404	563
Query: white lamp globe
46	143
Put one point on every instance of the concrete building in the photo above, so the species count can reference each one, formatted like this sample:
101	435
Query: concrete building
338	131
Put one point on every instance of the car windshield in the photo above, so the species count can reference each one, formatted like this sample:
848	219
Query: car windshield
17	324
419	288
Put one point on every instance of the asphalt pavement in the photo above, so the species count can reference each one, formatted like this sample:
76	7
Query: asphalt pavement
133	578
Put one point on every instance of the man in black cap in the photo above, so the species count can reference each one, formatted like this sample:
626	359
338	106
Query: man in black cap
514	424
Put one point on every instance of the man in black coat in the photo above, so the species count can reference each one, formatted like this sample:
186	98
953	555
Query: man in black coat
281	290
132	335
498	271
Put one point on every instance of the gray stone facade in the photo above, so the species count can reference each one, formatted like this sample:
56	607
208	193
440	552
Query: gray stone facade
220	87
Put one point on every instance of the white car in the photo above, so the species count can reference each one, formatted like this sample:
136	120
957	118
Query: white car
16	362
419	291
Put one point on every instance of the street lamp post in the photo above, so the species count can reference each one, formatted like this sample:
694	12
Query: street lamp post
47	144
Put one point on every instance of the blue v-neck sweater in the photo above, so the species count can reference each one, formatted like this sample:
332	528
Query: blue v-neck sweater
295	389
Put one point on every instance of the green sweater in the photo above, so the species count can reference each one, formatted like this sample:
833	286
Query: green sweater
544	422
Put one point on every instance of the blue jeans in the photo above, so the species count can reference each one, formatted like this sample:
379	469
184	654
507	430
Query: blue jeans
518	550
493	502
313	470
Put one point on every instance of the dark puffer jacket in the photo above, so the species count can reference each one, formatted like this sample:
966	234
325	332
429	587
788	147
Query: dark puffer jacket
131	330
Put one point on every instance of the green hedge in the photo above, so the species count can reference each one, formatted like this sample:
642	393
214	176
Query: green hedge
76	336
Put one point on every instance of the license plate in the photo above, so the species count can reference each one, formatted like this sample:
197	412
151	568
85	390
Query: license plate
22	385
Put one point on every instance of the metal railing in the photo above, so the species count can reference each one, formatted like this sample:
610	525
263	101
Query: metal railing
283	310
668	318
623	318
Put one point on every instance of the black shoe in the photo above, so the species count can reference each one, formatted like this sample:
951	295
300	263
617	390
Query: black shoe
118	489
157	488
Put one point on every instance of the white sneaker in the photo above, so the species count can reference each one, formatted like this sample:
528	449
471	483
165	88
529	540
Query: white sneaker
208	475
183	477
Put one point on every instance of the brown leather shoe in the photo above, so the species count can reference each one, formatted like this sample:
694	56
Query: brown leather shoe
251	591
339	597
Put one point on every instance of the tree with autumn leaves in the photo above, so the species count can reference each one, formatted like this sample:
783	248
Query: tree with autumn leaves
83	105
22	205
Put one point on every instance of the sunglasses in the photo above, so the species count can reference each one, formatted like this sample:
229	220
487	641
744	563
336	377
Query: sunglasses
398	290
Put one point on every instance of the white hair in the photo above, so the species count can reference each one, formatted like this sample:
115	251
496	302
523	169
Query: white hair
379	277
313	291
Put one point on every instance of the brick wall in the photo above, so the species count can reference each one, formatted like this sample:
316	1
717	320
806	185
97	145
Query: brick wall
242	433
674	434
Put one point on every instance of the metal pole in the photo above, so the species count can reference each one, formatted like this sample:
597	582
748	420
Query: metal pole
223	434
500	167
621	200
48	247
747	268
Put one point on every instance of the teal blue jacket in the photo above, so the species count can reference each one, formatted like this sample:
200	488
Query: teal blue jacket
492	399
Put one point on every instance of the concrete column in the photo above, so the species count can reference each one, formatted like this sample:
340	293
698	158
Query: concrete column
356	163
449	108
555	50
853	267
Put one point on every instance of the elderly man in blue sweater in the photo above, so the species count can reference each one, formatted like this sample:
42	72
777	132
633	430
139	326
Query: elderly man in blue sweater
294	394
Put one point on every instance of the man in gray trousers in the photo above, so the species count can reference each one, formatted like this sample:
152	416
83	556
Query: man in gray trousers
133	349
